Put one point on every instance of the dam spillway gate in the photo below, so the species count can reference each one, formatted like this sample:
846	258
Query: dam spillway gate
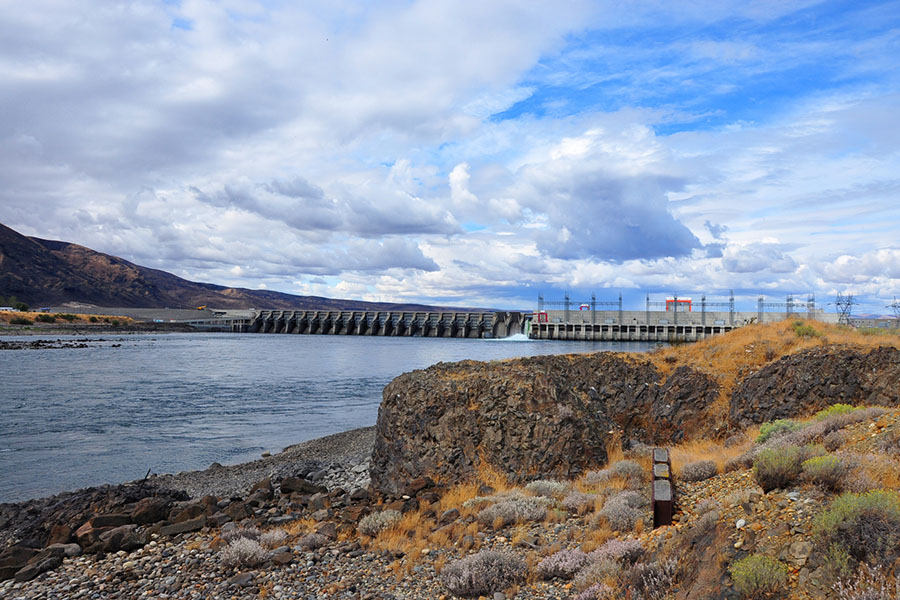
389	323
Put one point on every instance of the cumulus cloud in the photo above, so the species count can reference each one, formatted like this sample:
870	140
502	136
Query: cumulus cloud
439	150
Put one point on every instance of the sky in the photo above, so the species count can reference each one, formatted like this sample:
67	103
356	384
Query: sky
464	153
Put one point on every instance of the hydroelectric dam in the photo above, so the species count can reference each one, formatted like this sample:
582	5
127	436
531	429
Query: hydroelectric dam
676	319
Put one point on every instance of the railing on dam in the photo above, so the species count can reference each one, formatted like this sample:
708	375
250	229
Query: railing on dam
629	333
388	323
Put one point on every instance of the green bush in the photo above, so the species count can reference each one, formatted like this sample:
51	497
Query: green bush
19	321
45	318
93	319
778	427
65	316
776	468
834	409
21	307
866	525
827	471
759	576
115	322
804	330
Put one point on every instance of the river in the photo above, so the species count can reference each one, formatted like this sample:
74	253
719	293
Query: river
75	417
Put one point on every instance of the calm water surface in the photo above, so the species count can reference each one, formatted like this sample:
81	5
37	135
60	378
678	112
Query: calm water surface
70	418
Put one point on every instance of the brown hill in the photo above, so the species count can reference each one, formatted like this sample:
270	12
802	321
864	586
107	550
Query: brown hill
49	272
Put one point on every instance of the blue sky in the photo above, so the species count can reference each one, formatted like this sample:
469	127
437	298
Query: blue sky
464	153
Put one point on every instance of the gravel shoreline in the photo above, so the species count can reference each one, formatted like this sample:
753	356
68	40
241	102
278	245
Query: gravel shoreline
337	460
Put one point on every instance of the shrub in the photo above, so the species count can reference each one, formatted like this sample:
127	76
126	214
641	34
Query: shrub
21	306
483	574
776	428
780	467
652	581
828	472
628	469
889	442
834	409
547	488
698	470
871	584
273	538
834	440
45	318
563	564
93	319
312	541
706	505
65	316
578	501
598	477
596	572
621	551
115	323
866	525
20	321
514	510
804	330
622	512
598	591
244	552
250	533
759	576
374	523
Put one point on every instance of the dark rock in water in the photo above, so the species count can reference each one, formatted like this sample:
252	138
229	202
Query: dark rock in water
806	382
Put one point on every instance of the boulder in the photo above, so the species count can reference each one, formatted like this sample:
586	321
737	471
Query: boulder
184	526
14	558
126	538
35	568
149	510
526	417
803	383
290	485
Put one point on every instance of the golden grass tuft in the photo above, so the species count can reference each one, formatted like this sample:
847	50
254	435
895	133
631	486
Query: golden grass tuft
301	527
704	449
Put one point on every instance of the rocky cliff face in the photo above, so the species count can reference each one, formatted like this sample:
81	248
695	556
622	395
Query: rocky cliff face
546	416
551	416
803	383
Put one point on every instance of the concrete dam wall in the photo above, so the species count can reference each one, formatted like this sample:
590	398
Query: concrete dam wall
388	323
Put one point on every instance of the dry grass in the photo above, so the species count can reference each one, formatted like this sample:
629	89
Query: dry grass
301	527
80	319
729	358
884	470
713	450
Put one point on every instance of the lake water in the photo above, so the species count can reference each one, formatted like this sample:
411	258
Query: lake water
86	416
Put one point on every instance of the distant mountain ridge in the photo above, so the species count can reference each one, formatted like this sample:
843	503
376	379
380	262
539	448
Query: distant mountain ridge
47	272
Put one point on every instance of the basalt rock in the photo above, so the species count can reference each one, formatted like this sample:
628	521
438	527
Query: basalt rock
547	416
806	382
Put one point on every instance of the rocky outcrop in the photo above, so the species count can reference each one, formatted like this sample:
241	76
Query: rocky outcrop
803	383
539	416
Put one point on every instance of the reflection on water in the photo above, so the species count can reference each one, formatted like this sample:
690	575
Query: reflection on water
103	414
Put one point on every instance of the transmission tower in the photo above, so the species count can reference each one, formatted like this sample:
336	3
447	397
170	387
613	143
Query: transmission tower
844	305
895	307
